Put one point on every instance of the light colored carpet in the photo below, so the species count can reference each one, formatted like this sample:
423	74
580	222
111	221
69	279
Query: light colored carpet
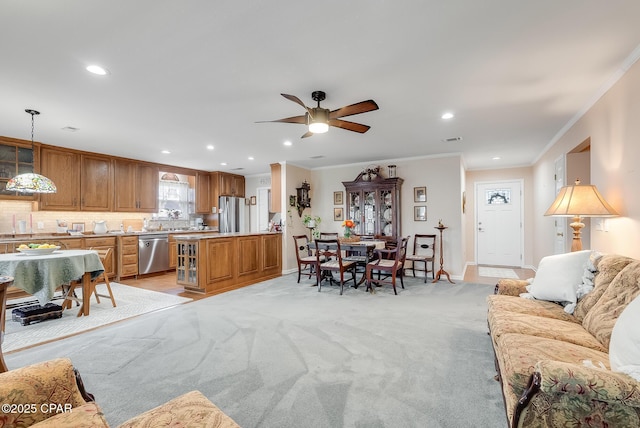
493	272
130	301
279	354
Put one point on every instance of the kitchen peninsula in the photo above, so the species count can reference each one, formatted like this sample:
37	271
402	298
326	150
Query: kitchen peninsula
215	263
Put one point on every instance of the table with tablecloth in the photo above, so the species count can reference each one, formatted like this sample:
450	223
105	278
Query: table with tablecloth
41	275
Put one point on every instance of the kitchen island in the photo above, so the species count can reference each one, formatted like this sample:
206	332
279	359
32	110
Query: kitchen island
215	263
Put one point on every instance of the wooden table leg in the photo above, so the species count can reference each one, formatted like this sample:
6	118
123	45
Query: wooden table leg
86	297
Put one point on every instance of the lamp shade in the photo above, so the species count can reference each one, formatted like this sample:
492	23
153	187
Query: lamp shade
580	200
31	183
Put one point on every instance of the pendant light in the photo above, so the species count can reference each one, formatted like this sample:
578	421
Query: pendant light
31	182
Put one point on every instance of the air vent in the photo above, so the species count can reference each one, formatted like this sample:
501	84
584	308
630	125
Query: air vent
237	169
317	157
70	129
452	139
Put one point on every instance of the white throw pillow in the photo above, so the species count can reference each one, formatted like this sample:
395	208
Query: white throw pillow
559	276
624	347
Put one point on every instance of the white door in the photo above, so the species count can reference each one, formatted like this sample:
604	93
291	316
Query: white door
499	223
560	223
262	202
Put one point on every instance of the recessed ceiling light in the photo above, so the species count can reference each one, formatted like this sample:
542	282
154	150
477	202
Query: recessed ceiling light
223	163
250	158
496	158
165	152
287	143
210	147
96	69
447	115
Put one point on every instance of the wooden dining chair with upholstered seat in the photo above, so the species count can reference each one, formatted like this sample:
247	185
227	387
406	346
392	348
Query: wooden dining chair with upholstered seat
329	259
305	258
424	252
389	265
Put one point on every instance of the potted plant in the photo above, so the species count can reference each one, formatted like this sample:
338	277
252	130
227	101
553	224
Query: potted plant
312	222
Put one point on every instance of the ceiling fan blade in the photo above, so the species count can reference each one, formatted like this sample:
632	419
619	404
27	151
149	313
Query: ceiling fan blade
357	108
349	126
307	134
295	100
293	119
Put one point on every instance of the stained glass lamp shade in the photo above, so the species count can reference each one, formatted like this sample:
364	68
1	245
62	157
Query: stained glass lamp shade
31	183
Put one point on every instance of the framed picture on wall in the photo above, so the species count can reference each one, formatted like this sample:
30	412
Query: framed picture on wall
337	198
420	213
419	194
337	214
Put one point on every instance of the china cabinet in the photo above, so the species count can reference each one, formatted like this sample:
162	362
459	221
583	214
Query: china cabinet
373	203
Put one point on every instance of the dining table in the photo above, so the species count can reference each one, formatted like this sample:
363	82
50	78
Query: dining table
362	252
41	274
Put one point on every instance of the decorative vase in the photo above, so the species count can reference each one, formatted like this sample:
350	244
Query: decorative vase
347	232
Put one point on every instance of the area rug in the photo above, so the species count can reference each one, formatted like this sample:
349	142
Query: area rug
493	272
130	302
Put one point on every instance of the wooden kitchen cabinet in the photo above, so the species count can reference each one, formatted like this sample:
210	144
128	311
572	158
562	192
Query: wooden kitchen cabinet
63	168
276	191
173	252
225	184
203	206
136	186
16	157
84	181
127	256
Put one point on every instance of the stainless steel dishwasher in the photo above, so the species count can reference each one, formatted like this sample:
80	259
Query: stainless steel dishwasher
153	253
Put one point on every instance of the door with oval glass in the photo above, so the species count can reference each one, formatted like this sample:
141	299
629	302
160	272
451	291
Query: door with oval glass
499	223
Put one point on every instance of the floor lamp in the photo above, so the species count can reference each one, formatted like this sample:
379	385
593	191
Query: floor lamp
577	201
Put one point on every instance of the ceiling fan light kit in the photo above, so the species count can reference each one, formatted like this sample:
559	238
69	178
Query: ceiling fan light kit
318	119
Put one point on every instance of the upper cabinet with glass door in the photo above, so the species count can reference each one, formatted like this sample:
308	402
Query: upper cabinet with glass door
16	157
373	203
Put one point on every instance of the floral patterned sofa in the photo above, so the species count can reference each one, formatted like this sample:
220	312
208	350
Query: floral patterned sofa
554	366
51	394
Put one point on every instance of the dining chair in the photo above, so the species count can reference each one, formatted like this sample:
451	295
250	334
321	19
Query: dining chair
304	257
424	251
106	258
389	264
329	249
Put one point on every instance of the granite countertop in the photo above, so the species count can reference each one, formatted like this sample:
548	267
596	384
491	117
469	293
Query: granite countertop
199	236
6	238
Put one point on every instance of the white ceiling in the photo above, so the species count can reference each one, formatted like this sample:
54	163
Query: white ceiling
184	74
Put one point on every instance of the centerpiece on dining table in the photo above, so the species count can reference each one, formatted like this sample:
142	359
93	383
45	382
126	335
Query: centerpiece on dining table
348	235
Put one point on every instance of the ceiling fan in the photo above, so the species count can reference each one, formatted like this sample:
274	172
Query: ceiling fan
319	119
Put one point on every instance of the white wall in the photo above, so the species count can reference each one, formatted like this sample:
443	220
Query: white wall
614	129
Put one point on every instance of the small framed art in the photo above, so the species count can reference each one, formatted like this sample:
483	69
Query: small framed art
419	194
420	213
337	198
337	214
77	227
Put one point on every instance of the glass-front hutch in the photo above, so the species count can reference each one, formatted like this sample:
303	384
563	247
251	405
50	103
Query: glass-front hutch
373	203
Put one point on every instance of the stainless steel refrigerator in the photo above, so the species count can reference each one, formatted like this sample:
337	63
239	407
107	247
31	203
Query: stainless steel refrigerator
231	214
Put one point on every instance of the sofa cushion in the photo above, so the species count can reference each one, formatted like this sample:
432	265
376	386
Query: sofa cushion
624	349
86	416
518	354
600	320
541	308
559	276
52	382
608	267
190	410
570	332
